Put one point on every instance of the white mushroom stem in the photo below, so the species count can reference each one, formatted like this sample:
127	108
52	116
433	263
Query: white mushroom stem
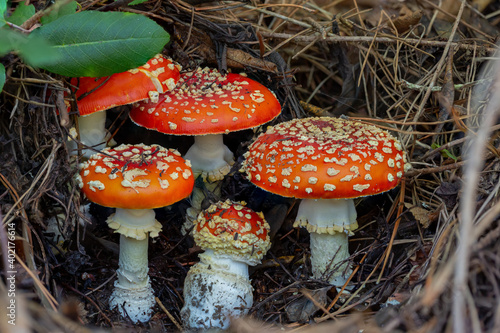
215	290
210	157
92	133
329	223
133	295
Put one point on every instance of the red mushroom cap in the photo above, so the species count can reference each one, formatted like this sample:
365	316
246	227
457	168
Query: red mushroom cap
324	157
157	76
231	229
136	177
206	102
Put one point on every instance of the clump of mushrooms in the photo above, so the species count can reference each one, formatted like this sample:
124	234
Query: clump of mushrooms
135	179
326	162
218	287
207	104
96	95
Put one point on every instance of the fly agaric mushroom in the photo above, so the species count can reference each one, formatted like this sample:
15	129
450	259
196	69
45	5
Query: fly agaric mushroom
135	179
218	287
207	104
326	162
95	95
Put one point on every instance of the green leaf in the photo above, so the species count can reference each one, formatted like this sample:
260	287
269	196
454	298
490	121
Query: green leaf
60	8
136	2
445	152
34	51
6	42
21	14
2	77
102	43
3	9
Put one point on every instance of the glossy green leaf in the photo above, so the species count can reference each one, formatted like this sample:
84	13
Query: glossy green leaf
6	42
60	8
97	44
21	13
3	9
34	51
2	77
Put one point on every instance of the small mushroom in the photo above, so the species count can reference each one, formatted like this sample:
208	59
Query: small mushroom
326	162
135	179
207	104
95	95
218	287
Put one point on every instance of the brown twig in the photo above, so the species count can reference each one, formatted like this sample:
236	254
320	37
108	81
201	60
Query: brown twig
388	40
172	318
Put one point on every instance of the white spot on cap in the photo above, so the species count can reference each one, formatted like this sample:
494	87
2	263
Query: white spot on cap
163	183
347	178
332	172
309	167
361	187
354	157
93	184
329	187
387	150
153	96
312	180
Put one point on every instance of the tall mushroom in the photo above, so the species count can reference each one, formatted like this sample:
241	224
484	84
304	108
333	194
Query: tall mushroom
326	162
135	179
218	287
95	95
207	104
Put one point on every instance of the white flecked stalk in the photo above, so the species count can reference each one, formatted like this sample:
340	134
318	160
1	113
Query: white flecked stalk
329	223
215	290
92	133
133	295
210	157
324	248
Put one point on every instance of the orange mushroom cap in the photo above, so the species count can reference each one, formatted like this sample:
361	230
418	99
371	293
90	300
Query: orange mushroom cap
231	229
328	158
136	177
206	102
157	76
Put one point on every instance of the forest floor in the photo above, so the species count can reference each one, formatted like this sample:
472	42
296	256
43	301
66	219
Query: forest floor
426	255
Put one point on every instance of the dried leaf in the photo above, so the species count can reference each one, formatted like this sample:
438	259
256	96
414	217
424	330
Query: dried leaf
404	22
301	309
420	214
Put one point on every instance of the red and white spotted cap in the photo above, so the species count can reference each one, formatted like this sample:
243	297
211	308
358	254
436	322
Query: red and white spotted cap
206	102
136	177
155	77
232	230
325	158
